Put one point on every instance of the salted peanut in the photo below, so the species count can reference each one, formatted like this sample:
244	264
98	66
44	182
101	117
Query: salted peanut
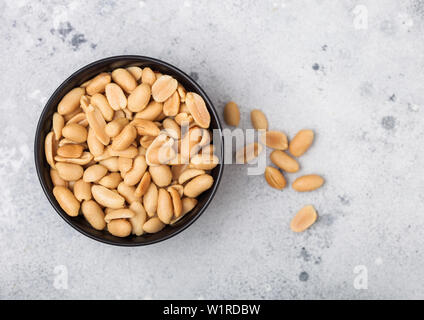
82	190
151	112
98	83
165	209
56	179
204	162
178	187
198	110
94	173
181	92
172	105
301	142
119	114
58	124
139	98
163	88
115	96
119	214
94	145
50	148
148	76
67	200
119	228
133	176
143	186
128	192
153	225
308	183
125	138
98	124
198	185
146	127
124	165
99	101
111	181
84	159
139	218
259	121
124	79
71	101
248	153
130	152
161	175
188	204
274	139
112	164
69	171
176	202
189	174
75	132
146	141
305	218
160	151
94	214
115	127
172	128
85	84
107	197
284	161
150	200
275	178
65	141
183	119
232	114
136	72
70	151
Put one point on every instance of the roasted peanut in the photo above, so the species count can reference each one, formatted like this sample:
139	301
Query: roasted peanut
58	124
128	192
111	181
93	214
259	121
136	72
69	171
119	228
161	175
172	105
139	218
98	83
71	101
308	183
232	114
115	96
284	161
99	101
275	178
148	76
198	110
150	200
82	190
119	214
304	219
124	79
125	138
143	186
301	142
98	124
164	210
139	98
138	169
107	198
153	225
94	173
70	151
151	112
67	200
75	132
198	185
275	140
56	179
163	88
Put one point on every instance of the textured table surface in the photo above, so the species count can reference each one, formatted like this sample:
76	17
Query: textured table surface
350	70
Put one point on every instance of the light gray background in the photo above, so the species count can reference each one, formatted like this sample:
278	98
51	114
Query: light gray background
306	65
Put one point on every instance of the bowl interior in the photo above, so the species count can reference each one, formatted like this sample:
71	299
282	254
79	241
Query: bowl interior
45	124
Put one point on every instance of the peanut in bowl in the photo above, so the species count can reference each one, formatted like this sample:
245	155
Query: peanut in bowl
97	158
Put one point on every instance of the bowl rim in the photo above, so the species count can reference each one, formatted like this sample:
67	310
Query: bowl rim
59	89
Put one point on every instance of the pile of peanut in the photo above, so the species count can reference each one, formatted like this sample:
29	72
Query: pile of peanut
278	141
119	153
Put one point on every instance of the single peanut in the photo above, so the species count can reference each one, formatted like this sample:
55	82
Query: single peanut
163	88
274	139
259	121
284	161
275	178
93	214
124	79
232	114
308	183
198	110
119	228
304	219
71	101
301	142
198	185
67	200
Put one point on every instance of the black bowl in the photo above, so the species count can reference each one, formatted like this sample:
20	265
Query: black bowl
45	124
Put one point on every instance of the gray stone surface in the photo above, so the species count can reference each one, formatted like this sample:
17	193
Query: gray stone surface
307	64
